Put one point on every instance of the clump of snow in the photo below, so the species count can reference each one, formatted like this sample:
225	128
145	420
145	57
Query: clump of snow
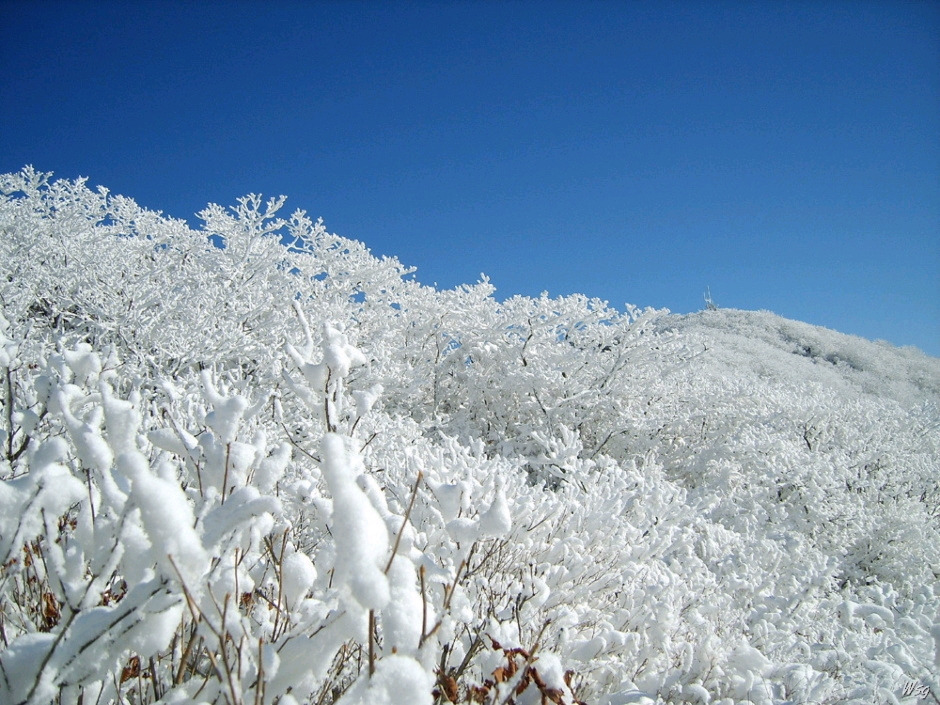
339	356
451	498
398	680
227	412
168	520
360	534
402	616
297	576
496	520
84	363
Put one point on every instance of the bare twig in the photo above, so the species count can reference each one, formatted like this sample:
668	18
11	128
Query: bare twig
371	643
424	606
404	522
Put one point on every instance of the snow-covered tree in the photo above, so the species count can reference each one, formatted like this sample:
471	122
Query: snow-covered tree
253	463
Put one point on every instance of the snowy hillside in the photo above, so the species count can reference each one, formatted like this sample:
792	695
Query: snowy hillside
835	360
283	471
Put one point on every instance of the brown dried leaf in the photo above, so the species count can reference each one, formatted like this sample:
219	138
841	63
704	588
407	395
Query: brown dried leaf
246	600
113	593
518	651
478	694
449	684
524	682
537	679
50	611
131	670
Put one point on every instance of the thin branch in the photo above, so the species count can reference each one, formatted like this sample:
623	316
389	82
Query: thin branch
371	643
404	521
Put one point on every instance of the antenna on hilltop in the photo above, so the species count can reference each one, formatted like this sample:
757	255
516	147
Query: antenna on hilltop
709	303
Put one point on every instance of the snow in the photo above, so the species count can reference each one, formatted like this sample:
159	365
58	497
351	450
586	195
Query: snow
84	363
721	507
360	533
227	412
935	633
464	530
366	398
23	658
50	488
297	576
450	497
401	618
121	422
398	680
272	468
168	520
338	354
496	520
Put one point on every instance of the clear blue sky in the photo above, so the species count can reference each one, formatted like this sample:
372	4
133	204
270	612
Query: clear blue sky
787	155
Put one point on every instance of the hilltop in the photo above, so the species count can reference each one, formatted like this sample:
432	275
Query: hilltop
770	344
255	463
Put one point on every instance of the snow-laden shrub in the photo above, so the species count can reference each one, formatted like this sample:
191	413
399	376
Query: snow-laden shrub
280	471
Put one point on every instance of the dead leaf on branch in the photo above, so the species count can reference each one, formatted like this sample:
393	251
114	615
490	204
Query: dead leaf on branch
131	670
51	612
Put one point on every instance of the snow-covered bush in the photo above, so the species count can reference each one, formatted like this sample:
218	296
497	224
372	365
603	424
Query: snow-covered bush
255	464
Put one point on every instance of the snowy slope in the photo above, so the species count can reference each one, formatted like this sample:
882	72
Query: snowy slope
777	347
284	471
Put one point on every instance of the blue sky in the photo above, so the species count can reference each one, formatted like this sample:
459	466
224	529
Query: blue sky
786	155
